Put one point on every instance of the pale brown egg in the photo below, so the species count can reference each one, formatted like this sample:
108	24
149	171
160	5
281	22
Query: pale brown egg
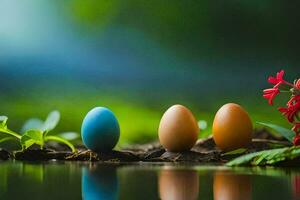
232	127
177	184
178	129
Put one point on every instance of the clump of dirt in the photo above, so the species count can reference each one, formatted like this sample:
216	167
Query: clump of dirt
4	155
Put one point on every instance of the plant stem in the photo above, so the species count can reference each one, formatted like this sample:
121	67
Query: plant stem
6	139
290	84
58	139
287	91
9	132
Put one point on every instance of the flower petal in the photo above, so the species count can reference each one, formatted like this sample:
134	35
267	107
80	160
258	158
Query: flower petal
280	75
272	80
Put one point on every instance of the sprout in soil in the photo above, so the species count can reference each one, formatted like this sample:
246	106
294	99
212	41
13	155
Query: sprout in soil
36	132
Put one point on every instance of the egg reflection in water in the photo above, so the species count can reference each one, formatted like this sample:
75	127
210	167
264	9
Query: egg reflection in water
100	183
178	184
229	186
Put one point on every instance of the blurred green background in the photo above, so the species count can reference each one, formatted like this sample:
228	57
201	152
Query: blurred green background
140	57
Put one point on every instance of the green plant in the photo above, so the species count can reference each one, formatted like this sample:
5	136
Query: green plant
267	157
36	131
272	156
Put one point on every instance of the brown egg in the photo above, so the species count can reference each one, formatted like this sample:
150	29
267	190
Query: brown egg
232	127
177	184
228	186
178	129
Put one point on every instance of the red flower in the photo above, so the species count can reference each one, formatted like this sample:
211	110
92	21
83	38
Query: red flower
296	128
277	80
271	94
288	112
292	109
294	100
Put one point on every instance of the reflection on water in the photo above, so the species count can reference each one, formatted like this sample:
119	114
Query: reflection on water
296	186
229	186
54	180
178	184
39	181
100	183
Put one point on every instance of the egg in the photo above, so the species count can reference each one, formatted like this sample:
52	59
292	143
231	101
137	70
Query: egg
232	127
100	130
178	129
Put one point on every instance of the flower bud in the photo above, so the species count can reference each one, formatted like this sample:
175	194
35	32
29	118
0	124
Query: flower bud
296	140
295	91
297	83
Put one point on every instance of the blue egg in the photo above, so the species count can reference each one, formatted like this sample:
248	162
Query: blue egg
100	130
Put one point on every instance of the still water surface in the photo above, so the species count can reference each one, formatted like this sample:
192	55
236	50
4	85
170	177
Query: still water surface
55	180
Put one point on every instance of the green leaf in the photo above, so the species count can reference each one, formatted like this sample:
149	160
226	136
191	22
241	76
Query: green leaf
69	135
31	137
237	151
61	140
267	157
242	160
51	121
33	123
26	142
287	133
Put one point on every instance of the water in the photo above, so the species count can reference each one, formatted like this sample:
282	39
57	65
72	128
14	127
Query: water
72	180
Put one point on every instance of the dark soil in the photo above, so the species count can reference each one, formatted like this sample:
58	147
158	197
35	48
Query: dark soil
205	151
4	155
